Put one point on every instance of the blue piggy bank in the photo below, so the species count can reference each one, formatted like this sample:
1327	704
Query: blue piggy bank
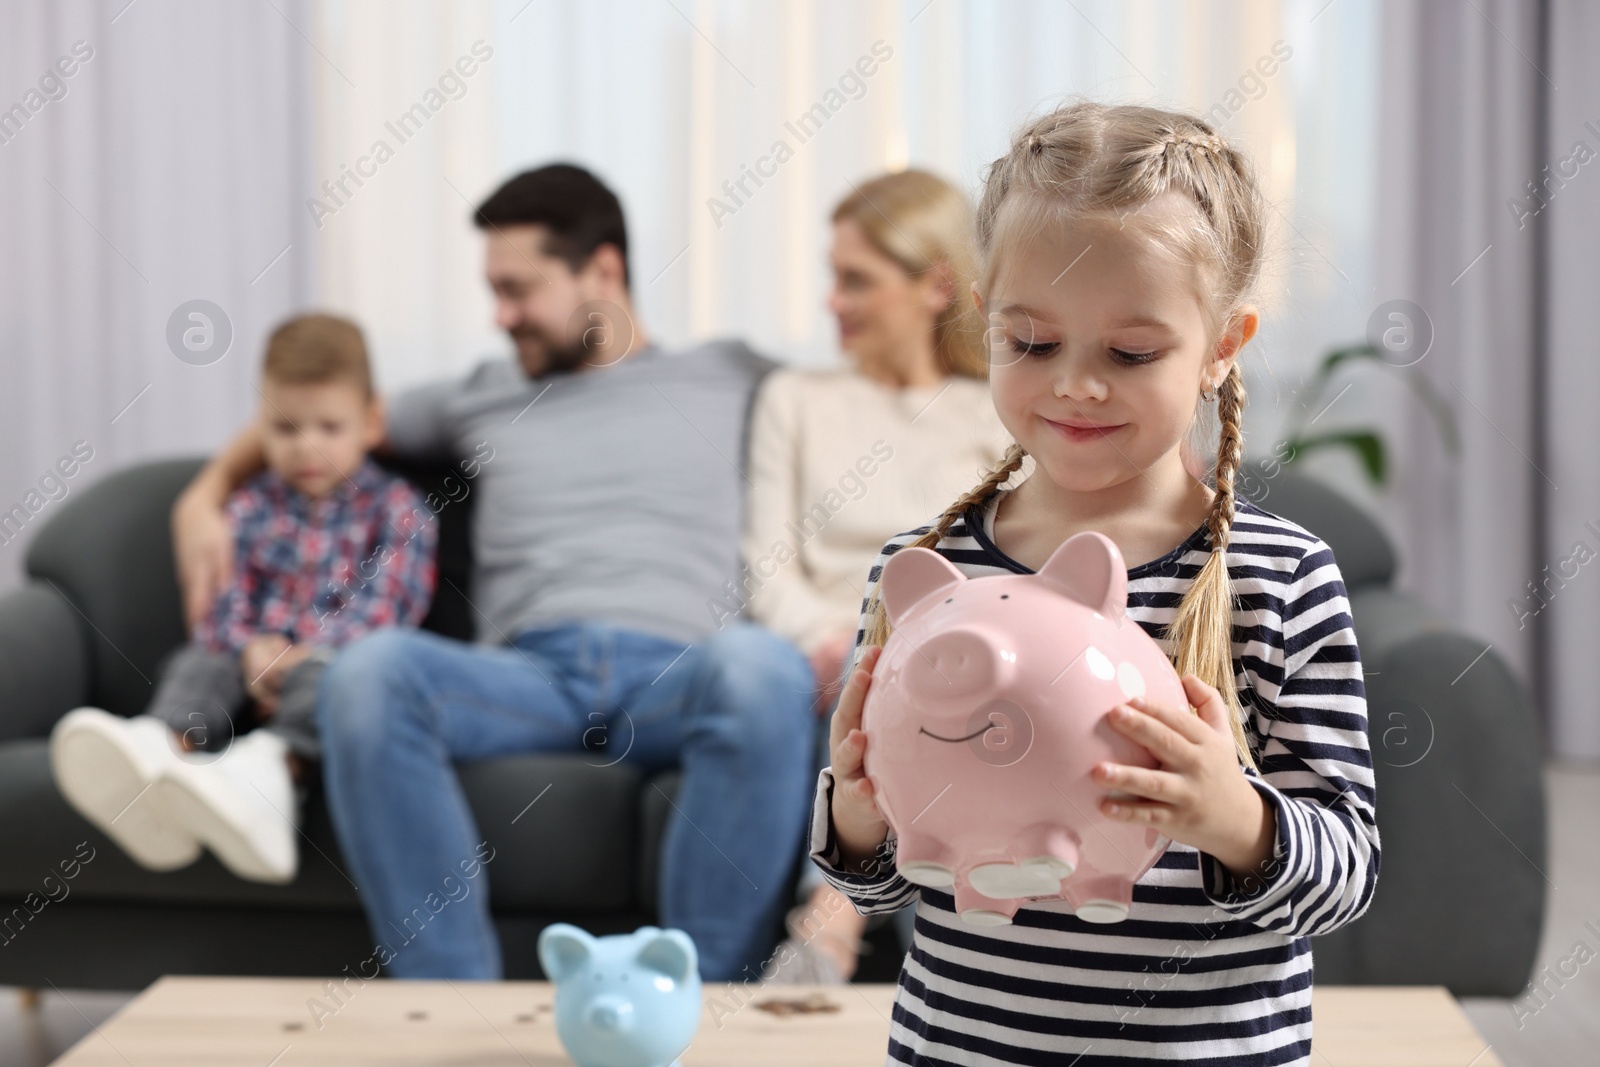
626	1000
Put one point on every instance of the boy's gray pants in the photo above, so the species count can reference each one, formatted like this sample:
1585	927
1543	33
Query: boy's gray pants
202	695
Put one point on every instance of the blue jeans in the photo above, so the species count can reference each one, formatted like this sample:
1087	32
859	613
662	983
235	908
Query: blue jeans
733	711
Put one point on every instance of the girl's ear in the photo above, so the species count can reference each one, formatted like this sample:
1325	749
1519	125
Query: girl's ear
910	576
1088	567
1241	327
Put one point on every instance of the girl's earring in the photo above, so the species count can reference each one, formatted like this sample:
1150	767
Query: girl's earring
1208	395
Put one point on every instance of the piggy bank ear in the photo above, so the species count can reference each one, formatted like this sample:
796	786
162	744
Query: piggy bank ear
563	948
912	574
1088	568
670	952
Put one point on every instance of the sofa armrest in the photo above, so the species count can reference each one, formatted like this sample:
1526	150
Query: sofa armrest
44	667
1457	757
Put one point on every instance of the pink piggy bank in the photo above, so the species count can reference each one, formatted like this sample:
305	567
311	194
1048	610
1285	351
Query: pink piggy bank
987	712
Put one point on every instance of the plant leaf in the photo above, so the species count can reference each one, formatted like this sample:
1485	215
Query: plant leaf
1366	444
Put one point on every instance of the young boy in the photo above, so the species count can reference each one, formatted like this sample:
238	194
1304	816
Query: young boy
328	547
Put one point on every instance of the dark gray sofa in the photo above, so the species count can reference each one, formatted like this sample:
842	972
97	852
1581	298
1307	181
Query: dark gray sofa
1458	760
99	612
1459	900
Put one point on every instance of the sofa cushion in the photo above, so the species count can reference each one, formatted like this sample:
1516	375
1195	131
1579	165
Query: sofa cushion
44	669
453	498
108	551
655	805
1359	544
572	852
564	830
1456	753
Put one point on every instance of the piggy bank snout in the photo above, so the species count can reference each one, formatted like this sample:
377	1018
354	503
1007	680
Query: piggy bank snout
961	662
610	1014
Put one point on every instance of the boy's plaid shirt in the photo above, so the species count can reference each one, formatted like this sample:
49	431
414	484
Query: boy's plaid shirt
324	572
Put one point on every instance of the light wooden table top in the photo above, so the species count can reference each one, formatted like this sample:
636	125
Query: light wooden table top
296	1022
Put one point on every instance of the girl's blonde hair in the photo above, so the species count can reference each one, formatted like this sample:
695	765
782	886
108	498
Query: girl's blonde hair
924	223
1106	161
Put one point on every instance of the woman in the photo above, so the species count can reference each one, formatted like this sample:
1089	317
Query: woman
842	460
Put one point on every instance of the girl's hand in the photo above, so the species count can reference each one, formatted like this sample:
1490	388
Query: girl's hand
827	660
858	825
1199	795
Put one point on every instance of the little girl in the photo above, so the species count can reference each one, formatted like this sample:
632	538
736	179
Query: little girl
1119	245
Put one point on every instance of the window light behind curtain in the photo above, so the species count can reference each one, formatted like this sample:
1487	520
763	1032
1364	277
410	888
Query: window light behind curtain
670	99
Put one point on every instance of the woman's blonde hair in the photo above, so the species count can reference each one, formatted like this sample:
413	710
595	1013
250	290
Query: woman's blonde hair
1104	161
924	223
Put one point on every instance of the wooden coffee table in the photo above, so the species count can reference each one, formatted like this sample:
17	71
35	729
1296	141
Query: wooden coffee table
298	1022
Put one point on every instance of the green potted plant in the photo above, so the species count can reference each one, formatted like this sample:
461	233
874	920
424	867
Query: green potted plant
1367	444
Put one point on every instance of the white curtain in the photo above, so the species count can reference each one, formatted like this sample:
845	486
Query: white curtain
1481	100
202	140
163	169
1570	384
673	103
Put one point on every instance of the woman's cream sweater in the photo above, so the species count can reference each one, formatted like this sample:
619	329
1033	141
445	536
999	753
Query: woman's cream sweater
839	464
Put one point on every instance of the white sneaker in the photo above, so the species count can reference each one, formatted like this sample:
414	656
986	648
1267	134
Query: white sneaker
241	805
106	766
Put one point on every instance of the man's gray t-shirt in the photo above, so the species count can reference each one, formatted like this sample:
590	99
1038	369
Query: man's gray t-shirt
613	494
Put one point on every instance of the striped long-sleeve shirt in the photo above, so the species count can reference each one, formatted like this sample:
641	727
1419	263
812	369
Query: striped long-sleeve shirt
1203	969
